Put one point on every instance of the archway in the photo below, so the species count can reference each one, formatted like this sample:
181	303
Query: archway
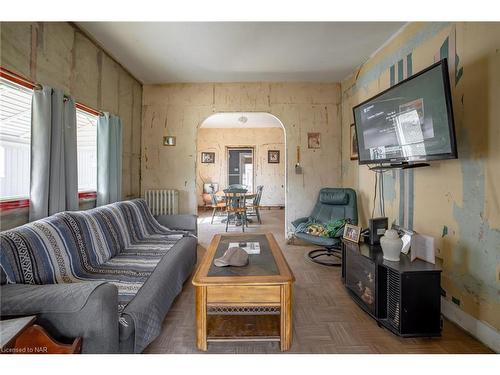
248	148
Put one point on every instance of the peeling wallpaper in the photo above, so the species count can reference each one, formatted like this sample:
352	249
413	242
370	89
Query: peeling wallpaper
59	55
455	201
179	109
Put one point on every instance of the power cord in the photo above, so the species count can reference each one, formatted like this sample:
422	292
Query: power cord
375	193
381	194
379	186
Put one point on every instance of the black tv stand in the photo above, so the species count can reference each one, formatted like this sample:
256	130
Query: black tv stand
404	165
403	297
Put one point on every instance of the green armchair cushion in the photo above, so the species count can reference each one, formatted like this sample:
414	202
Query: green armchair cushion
332	204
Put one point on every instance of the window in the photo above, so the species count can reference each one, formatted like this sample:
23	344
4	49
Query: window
15	138
86	138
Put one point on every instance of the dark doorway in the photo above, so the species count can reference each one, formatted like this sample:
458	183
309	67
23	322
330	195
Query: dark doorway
240	162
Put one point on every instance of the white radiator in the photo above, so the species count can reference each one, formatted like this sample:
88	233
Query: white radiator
162	202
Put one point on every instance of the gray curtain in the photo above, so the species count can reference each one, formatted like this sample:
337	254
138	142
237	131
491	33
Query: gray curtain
109	159
54	177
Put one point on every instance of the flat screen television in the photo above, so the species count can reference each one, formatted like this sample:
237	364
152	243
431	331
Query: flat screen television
409	122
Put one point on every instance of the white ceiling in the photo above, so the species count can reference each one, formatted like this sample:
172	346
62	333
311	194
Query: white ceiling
232	120
162	52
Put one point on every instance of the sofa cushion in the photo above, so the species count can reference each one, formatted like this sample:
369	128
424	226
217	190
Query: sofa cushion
179	222
317	240
148	308
139	220
21	299
82	246
115	227
101	231
45	251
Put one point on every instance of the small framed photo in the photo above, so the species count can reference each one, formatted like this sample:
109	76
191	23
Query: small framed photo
313	140
352	233
273	156
208	157
354	143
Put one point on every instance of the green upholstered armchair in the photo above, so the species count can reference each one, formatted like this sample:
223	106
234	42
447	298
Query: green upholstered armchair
332	204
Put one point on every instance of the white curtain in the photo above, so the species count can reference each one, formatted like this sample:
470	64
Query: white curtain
109	159
54	177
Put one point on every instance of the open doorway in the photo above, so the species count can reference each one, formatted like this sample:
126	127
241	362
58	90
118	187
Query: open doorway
240	167
242	148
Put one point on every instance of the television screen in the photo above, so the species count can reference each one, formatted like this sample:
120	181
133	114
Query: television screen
411	121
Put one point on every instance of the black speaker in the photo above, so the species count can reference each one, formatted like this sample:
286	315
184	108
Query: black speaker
377	227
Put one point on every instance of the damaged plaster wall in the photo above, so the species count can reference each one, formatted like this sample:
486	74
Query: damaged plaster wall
455	201
271	176
59	55
179	109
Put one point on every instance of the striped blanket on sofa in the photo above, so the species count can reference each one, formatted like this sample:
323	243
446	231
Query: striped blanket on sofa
120	243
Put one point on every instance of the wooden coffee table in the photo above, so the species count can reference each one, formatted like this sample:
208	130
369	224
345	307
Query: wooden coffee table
250	303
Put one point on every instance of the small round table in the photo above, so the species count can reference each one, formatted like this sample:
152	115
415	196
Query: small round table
220	193
248	196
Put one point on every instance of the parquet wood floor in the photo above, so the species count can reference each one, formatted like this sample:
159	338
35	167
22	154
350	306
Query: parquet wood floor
325	319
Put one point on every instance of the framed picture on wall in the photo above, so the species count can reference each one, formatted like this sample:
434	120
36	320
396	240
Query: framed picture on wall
354	143
208	157
313	140
273	156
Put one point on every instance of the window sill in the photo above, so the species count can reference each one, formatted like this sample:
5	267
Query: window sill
87	195
14	204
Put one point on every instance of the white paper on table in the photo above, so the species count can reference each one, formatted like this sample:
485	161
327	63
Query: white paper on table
422	247
406	243
250	248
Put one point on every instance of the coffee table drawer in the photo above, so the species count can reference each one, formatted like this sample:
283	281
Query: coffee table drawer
234	294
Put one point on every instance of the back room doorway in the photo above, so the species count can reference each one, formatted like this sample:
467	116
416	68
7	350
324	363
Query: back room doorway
248	149
240	166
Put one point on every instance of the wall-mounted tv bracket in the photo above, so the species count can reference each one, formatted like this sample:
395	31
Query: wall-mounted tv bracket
403	165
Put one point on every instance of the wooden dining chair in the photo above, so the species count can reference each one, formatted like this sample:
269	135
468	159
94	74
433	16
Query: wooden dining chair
216	204
253	207
236	206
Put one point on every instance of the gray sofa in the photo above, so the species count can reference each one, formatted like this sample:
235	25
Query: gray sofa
109	274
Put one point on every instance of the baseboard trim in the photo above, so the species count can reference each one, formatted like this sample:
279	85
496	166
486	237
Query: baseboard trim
485	333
